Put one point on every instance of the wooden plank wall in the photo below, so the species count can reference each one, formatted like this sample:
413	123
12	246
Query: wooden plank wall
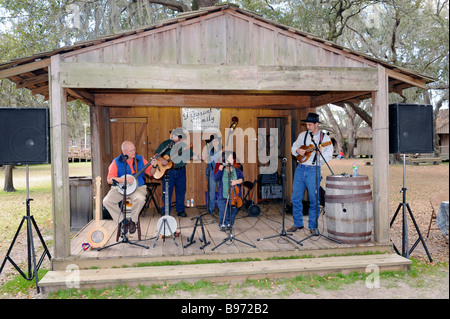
221	38
161	120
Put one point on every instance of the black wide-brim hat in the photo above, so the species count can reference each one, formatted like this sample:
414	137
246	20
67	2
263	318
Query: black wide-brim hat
178	132
312	118
213	137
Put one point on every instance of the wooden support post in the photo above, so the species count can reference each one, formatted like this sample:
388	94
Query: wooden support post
59	160
380	130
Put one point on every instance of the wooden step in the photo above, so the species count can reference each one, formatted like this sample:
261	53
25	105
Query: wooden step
219	272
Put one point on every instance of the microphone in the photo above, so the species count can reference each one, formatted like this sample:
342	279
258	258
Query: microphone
125	156
312	136
283	164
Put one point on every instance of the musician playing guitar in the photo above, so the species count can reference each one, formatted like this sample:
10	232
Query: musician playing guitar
176	158
305	174
134	163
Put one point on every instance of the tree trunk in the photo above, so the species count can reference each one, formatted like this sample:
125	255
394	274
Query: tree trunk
9	187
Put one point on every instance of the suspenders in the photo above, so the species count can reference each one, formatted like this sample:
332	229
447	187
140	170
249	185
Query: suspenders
320	142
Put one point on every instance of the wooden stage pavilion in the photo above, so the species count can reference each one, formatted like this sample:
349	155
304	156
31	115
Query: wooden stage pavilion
136	84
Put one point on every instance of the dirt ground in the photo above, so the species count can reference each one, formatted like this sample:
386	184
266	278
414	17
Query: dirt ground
420	181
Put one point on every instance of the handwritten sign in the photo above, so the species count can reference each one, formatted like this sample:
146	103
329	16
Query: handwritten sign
200	119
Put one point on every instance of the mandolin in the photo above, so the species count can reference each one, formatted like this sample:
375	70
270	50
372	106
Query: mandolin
162	169
309	149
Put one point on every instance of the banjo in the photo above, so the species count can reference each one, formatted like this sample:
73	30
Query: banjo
166	224
131	187
97	236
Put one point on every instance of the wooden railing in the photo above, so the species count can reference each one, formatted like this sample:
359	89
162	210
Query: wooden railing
79	155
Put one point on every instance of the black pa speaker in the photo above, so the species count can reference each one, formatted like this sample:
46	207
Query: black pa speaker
411	128
24	136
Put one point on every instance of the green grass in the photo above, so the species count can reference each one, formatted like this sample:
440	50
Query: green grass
18	285
13	204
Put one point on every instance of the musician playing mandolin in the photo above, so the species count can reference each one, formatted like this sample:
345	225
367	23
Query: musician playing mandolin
134	163
225	172
305	173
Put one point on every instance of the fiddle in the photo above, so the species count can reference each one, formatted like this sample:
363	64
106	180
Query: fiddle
234	195
235	199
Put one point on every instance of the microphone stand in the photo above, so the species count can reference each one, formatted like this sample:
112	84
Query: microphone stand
283	230
317	232
124	212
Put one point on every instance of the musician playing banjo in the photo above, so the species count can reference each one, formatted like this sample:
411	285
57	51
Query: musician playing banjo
136	188
305	173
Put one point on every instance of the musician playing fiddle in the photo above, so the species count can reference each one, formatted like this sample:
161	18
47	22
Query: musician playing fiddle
134	163
227	174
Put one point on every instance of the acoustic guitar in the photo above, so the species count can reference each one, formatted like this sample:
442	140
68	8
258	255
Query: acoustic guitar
309	149
97	236
162	169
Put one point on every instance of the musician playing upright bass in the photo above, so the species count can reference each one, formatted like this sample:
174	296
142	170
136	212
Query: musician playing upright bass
305	173
116	171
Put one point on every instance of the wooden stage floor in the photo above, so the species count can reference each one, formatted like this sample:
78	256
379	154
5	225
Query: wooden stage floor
247	229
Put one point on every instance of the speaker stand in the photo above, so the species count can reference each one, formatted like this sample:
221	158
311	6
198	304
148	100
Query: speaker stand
405	206
31	253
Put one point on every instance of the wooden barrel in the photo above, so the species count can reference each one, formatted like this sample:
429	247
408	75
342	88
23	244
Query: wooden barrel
348	209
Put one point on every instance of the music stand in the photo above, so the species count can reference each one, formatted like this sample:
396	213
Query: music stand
124	222
317	232
30	243
230	236
404	205
283	230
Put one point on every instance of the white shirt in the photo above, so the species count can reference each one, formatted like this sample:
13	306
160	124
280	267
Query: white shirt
327	151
